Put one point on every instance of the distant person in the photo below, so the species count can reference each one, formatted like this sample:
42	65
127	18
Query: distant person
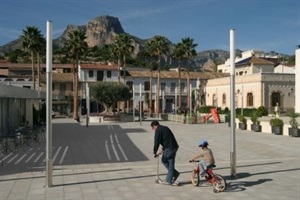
164	137
206	157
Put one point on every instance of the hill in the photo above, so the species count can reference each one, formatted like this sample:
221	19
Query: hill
103	30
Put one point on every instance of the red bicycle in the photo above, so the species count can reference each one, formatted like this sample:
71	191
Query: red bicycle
217	181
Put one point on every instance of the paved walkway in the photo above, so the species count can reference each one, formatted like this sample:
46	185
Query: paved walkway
268	168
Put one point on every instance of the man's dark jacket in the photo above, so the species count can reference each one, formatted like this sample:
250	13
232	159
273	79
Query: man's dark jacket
164	136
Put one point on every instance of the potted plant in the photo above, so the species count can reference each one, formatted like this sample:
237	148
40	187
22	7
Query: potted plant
227	118
242	122
255	126
277	126
294	130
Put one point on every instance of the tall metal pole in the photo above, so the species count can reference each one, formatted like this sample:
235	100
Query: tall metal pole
87	98
232	104
242	101
190	100
175	107
297	80
49	106
140	104
133	104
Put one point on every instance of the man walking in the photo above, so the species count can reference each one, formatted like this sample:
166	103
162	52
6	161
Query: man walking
164	137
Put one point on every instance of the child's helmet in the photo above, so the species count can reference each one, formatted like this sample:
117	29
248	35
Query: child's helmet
203	143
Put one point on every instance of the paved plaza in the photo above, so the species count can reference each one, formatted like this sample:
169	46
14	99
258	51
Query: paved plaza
114	161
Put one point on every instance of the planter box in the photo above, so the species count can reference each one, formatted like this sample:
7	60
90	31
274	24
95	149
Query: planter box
242	126
95	119
256	127
277	130
294	132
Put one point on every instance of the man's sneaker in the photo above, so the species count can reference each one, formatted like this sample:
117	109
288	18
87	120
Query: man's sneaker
202	174
165	183
175	177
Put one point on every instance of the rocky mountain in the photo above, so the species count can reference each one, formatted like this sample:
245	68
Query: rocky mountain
104	29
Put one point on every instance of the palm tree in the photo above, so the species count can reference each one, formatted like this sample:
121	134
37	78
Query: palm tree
75	46
121	48
188	47
40	49
158	46
31	41
178	54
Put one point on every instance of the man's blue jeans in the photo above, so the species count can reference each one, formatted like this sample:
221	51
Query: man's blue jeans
168	160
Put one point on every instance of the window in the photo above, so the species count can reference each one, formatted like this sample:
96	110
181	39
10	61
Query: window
108	74
182	87
130	84
91	73
63	87
276	99
162	86
53	86
249	99
224	99
215	100
173	87
146	85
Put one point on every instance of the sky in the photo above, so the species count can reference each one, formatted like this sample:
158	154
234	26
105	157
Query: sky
266	25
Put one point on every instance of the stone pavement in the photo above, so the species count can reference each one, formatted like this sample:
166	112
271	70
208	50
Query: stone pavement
268	167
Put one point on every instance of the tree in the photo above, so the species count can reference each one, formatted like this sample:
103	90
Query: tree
178	54
109	93
149	62
188	48
75	46
121	48
31	41
159	47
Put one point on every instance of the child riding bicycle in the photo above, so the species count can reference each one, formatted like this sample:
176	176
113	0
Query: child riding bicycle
205	155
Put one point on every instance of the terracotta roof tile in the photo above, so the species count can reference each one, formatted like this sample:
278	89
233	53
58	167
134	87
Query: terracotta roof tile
3	72
175	75
254	60
99	66
59	77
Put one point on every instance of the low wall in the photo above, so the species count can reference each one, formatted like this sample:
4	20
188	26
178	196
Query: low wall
264	122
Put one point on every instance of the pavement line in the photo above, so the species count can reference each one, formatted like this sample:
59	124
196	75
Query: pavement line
114	149
64	154
28	159
121	149
20	159
7	156
107	150
12	158
58	150
38	157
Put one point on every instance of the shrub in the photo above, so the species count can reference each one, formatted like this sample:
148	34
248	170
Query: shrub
276	122
242	119
254	117
293	119
262	111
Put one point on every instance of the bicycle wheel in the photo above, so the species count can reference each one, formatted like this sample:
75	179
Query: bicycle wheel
219	183
195	178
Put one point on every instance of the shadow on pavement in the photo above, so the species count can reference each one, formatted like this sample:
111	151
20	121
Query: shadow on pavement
74	144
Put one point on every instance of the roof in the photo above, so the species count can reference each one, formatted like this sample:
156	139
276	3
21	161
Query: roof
254	60
99	66
3	72
59	77
27	66
175	75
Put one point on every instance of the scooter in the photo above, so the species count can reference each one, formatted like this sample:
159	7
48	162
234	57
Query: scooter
158	180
